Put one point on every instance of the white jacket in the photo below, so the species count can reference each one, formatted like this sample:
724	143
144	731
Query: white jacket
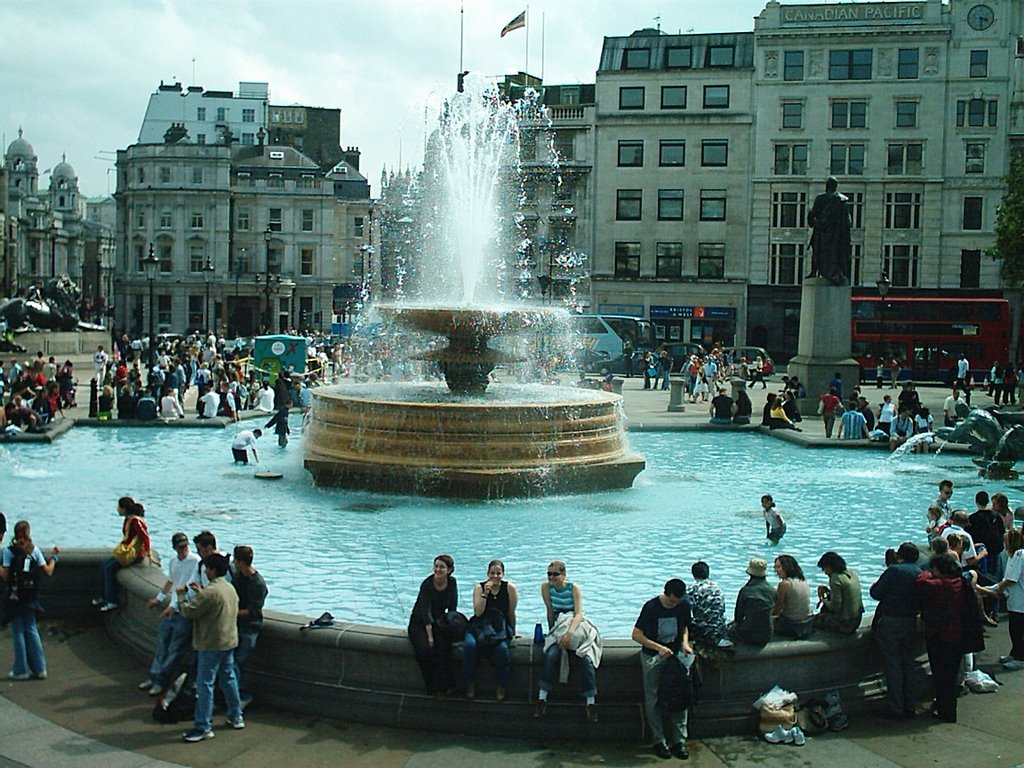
585	642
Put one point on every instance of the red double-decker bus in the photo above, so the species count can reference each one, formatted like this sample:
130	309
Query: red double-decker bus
927	335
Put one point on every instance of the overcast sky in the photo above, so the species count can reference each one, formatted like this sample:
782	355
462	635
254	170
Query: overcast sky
77	74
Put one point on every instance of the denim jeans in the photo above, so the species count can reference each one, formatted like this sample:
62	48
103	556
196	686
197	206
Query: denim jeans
173	640
552	664
28	648
499	654
108	579
896	637
211	667
247	637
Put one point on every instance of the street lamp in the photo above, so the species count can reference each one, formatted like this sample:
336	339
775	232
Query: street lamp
270	280
208	271
884	284
150	264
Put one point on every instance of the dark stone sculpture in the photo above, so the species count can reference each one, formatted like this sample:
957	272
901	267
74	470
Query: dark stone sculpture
997	437
830	241
54	307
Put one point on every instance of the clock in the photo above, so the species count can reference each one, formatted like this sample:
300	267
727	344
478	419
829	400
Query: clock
980	17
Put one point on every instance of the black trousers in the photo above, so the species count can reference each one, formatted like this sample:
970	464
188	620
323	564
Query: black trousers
435	663
944	659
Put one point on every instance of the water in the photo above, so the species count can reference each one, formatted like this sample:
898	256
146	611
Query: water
361	556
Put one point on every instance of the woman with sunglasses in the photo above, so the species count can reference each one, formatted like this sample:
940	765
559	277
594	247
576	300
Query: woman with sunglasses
563	598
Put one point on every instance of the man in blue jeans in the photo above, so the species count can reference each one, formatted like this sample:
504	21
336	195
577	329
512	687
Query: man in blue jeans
214	613
252	593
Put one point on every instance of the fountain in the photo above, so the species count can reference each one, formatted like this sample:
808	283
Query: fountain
473	439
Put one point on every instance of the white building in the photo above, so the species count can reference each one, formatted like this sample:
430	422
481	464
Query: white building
207	114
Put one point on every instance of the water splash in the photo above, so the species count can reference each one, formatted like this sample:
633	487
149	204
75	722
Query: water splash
912	442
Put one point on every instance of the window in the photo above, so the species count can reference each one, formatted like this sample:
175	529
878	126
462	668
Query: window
166	218
244	179
200	138
140	217
849	65
274	260
631	154
789	210
672	152
197	174
357	226
307	219
306	262
165	174
197	219
142	175
673	97
849	114
720	56
627	259
846	160
274	220
792	114
627	205
309	181
678	58
712	205
711	261
196	311
902	210
670	205
165	255
163	311
201	114
906	114
636	58
793	65
905	159
976	113
564	146
248	115
221	114
855	205
248	139
631	98
275	181
972	212
970	269
196	257
716	97
668	259
242	217
900	263
714	153
979	64
907	64
974	161
791	159
785	263
305	311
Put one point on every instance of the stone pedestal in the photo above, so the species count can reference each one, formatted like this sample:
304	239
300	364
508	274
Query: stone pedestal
824	347
677	387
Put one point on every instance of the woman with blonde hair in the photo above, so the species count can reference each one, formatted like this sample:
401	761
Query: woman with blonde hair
1011	587
22	563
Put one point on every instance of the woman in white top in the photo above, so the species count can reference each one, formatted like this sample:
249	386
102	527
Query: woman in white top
886	413
170	406
266	399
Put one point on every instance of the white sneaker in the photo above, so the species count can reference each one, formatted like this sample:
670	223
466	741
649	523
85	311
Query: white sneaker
155	689
725	642
238	723
1006	658
798	736
145	685
107	607
779	735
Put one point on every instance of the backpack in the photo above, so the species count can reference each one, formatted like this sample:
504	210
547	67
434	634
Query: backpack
22	581
675	691
177	703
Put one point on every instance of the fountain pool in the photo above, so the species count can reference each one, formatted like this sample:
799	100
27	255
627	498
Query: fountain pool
362	555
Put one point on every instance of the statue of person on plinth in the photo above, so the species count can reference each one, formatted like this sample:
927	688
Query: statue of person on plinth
830	240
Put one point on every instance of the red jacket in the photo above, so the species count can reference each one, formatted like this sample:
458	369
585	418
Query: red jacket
941	606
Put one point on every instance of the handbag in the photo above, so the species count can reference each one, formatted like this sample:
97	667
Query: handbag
127	554
452	625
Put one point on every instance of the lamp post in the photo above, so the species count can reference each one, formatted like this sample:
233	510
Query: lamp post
884	284
268	235
150	264
208	271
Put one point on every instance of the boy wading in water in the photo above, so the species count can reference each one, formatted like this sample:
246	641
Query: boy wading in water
775	526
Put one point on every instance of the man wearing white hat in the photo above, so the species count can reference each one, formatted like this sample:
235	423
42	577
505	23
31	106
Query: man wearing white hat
753	617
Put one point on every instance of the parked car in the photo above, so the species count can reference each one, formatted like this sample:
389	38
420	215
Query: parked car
680	352
750	353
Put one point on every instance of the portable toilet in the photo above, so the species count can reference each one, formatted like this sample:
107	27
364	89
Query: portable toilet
273	354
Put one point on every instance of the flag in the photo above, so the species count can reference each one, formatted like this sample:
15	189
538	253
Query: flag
517	23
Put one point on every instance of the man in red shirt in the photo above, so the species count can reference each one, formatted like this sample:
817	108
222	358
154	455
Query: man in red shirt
827	408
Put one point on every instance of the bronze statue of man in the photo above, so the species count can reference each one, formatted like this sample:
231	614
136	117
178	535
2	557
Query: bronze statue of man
830	240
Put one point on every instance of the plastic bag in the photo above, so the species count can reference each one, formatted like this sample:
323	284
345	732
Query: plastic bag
980	682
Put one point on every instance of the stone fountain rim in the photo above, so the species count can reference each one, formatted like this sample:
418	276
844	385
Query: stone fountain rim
594	397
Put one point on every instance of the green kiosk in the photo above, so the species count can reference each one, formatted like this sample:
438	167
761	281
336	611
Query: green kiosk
273	354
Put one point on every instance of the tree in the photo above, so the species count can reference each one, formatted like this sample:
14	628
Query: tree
1009	245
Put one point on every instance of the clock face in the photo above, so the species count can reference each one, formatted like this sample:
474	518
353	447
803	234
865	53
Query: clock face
980	17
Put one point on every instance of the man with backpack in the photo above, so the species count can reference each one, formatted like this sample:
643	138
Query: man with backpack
663	630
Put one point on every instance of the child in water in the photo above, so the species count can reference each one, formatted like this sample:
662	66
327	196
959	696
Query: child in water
775	525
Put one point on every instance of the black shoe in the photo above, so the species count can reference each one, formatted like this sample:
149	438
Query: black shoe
541	709
680	751
660	750
592	713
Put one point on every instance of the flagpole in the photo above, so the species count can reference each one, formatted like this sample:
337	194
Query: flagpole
527	69
542	15
462	23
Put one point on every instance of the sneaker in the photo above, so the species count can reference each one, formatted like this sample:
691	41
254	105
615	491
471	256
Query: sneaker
660	750
146	684
679	751
591	713
237	723
798	736
779	735
98	601
1013	664
39	676
13	676
541	709
107	607
155	689
725	642
1006	658
194	735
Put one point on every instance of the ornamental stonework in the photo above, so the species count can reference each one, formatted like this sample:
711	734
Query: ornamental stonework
771	65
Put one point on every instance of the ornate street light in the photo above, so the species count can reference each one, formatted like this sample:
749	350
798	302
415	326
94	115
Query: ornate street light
884	284
208	270
150	263
270	281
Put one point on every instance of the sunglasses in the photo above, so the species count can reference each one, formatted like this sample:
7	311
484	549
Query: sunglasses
553	574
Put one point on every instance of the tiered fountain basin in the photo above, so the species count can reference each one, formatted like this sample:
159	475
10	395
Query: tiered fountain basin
469	439
512	441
